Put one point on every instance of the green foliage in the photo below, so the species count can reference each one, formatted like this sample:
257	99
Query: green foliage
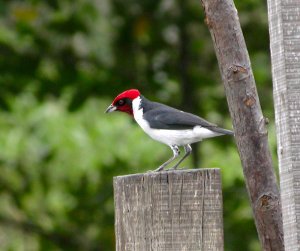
61	64
57	168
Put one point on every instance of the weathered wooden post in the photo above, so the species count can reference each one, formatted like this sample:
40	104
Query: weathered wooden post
284	26
250	131
169	211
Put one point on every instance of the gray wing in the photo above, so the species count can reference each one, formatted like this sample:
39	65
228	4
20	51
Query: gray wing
173	119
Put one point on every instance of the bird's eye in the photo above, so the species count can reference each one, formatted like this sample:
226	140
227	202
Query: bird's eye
121	102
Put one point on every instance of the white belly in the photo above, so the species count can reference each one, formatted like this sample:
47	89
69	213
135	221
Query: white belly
178	137
171	137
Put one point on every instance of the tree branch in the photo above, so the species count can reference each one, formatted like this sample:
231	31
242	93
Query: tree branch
248	122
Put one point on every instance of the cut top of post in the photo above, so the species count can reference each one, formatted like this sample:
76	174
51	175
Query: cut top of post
173	210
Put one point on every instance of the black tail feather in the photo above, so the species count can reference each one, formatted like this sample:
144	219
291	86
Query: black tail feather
223	131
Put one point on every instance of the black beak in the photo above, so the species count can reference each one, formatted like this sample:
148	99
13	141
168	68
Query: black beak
111	108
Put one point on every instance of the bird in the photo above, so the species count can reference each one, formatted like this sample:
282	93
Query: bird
166	124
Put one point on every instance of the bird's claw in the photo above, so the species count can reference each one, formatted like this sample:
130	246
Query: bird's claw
176	168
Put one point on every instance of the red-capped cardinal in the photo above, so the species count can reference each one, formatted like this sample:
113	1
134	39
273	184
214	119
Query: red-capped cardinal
166	124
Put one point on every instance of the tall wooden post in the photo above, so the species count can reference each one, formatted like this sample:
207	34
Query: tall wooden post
169	211
249	124
284	26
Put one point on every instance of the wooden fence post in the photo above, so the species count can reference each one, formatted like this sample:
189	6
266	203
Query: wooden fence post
169	211
284	27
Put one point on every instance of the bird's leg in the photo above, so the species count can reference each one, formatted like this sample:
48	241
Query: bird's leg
188	151
176	153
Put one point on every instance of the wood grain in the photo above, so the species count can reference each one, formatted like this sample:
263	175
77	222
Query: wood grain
284	20
169	211
248	121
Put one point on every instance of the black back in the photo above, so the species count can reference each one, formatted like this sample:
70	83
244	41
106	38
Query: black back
161	116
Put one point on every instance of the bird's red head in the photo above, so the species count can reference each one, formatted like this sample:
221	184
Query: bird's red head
123	102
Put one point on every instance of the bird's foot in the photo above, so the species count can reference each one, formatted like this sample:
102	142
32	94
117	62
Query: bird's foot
156	170
161	168
176	168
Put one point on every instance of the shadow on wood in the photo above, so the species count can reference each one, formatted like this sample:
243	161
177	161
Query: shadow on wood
173	210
